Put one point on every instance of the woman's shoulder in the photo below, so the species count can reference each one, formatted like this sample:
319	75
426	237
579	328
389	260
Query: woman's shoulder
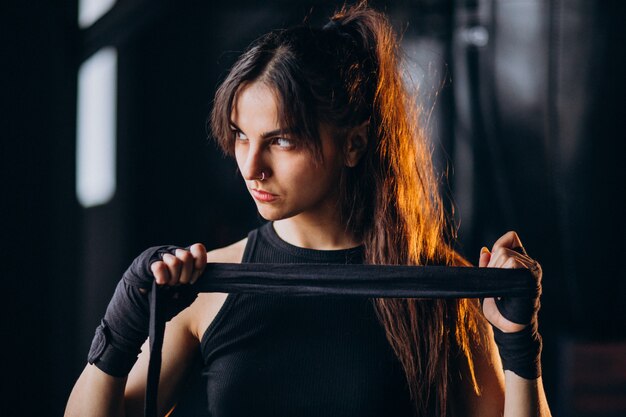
232	253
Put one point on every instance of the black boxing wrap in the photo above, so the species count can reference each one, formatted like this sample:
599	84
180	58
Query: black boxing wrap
521	351
124	328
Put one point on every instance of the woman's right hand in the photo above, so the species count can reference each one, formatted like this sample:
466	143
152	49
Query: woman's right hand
181	267
124	328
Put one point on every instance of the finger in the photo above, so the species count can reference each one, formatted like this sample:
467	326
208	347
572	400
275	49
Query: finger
513	263
483	261
174	265
501	255
509	240
535	267
484	257
186	259
198	252
501	259
161	272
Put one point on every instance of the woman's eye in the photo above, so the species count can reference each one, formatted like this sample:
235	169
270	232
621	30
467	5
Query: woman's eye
238	135
284	143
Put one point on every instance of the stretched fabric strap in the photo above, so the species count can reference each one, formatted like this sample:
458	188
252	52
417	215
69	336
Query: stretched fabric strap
372	281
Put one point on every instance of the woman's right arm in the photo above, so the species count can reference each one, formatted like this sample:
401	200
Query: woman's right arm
97	393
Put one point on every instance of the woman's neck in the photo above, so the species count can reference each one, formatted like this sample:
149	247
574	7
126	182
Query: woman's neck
329	234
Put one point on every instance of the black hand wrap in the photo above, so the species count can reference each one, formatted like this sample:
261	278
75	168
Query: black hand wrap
124	328
521	351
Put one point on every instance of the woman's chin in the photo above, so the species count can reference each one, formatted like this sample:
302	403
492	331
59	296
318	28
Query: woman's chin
273	213
269	214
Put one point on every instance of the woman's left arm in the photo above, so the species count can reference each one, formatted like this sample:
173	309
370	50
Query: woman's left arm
514	322
524	397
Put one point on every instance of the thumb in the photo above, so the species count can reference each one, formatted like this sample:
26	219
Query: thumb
485	257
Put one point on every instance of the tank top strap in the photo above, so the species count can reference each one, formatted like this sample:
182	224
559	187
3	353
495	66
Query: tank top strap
248	252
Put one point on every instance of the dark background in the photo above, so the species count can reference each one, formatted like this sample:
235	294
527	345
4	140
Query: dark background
528	120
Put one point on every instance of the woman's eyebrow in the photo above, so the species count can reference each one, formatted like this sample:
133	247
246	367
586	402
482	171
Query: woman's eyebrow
266	135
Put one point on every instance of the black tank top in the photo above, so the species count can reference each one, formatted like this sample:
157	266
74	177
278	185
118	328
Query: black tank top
270	355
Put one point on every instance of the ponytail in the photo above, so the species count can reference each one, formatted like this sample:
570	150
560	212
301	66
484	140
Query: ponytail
395	206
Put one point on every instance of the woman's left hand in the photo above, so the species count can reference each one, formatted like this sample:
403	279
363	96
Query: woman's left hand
515	313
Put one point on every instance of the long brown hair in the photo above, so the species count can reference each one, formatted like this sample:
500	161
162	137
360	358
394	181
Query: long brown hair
345	75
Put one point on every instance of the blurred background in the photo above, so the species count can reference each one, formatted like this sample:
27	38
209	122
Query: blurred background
105	152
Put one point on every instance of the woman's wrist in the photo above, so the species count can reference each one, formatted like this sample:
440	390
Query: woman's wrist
520	351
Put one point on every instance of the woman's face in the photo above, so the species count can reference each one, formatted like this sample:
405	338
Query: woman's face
295	183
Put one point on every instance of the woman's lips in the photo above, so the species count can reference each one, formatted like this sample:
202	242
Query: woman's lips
263	196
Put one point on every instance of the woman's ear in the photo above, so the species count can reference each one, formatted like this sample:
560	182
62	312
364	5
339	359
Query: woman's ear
356	144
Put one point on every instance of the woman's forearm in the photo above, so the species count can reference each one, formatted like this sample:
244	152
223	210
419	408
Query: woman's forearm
96	394
524	397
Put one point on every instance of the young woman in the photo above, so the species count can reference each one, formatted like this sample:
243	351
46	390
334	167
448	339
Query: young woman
326	139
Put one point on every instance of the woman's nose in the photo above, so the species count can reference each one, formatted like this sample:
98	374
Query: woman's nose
254	167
